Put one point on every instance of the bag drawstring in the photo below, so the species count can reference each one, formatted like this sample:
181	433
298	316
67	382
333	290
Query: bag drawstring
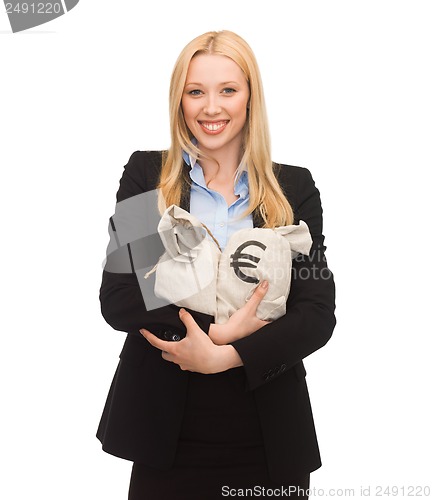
146	275
210	233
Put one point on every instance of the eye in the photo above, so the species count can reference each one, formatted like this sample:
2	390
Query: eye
195	92
228	90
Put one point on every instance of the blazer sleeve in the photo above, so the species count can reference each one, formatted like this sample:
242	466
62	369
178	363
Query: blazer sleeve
122	303
309	320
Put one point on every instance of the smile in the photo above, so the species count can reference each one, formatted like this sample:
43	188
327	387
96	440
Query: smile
213	128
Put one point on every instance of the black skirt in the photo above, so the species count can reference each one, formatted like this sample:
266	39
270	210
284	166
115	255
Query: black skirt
220	447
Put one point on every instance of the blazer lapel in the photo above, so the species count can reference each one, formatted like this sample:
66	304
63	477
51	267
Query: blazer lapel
185	199
257	219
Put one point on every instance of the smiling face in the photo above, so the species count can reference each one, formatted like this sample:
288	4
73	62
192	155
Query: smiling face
214	104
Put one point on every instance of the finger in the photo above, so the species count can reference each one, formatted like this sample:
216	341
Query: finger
187	318
163	345
258	294
264	322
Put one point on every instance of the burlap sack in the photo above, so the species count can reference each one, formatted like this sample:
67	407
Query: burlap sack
186	273
194	272
254	255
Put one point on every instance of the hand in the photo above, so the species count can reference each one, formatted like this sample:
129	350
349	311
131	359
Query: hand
196	352
243	322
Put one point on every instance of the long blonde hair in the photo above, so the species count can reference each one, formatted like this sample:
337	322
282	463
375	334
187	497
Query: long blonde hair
265	192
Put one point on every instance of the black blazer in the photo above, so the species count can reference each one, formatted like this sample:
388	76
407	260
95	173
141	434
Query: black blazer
142	416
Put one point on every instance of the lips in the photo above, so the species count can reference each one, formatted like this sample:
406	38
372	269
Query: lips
213	128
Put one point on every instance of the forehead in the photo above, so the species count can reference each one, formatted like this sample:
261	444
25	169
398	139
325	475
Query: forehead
214	68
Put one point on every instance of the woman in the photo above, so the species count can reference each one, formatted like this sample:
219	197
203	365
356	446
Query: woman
227	406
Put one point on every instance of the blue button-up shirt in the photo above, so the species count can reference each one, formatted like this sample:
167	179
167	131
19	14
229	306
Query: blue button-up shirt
211	208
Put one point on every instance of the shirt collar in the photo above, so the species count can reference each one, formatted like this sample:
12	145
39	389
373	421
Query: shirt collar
189	159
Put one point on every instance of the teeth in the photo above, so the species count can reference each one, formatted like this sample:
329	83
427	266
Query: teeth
213	126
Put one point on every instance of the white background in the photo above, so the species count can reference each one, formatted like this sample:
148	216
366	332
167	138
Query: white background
348	87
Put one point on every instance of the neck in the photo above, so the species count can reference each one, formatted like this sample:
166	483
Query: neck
222	166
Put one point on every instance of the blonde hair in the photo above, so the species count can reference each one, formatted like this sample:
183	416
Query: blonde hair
265	192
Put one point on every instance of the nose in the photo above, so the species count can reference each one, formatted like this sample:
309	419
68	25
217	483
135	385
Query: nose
211	105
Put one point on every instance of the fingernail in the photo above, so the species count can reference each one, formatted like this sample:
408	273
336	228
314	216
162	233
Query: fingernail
142	331
264	284
182	311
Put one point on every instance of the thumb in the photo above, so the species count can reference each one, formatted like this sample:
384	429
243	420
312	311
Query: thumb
187	318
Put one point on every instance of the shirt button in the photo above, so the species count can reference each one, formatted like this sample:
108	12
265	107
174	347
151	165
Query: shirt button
221	224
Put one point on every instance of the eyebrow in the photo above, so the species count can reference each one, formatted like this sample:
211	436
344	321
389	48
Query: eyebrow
198	84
